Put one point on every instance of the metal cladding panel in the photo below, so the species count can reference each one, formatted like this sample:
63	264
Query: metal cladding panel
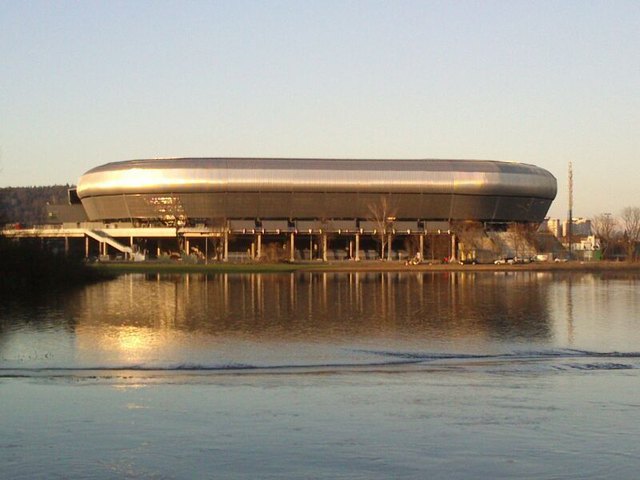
538	209
246	225
242	205
518	209
203	205
433	227
275	205
306	225
275	225
106	208
438	207
332	203
317	206
404	227
318	175
311	205
471	207
65	213
343	225
409	205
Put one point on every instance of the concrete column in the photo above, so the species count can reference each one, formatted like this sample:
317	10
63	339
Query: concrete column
421	246
187	245
66	245
357	247
86	246
259	248
292	249
453	246
253	250
225	257
159	250
324	247
389	238
432	245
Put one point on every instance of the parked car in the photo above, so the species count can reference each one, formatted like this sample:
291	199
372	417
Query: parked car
505	261
468	261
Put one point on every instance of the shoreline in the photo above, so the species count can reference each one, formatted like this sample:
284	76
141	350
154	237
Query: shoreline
353	267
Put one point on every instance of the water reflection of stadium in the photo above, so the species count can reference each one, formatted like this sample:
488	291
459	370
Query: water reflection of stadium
336	307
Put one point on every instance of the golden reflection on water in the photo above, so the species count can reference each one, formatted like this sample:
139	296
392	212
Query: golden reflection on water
135	314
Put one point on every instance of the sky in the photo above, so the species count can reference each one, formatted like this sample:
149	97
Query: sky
83	83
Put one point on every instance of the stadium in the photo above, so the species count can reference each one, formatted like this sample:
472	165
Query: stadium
311	208
191	189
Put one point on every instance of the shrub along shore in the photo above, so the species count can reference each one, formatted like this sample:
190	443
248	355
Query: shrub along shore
28	267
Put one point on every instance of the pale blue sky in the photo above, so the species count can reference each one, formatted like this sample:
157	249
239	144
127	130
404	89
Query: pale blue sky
85	83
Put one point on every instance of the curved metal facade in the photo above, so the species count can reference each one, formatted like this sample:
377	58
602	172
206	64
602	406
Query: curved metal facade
226	188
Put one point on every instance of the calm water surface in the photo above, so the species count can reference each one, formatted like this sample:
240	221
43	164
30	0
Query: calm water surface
361	375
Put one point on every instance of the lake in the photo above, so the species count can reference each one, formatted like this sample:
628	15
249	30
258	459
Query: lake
325	375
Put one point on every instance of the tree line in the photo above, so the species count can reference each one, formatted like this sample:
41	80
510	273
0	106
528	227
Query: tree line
30	266
27	205
618	232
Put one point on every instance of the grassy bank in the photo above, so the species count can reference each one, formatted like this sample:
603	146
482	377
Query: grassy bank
373	266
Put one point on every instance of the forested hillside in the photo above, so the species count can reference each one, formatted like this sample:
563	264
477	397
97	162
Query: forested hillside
26	205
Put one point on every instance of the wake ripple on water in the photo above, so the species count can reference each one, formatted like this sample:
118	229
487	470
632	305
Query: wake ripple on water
535	362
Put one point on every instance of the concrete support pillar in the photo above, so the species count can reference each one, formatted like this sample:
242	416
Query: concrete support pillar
66	245
86	246
253	250
350	249
389	238
432	245
324	247
259	247
357	247
187	246
292	249
453	246
159	250
421	246
225	254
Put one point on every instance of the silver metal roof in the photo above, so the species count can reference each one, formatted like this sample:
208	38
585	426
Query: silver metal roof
180	175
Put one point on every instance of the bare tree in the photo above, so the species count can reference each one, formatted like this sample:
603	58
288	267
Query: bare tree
383	213
522	236
470	235
630	218
604	226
